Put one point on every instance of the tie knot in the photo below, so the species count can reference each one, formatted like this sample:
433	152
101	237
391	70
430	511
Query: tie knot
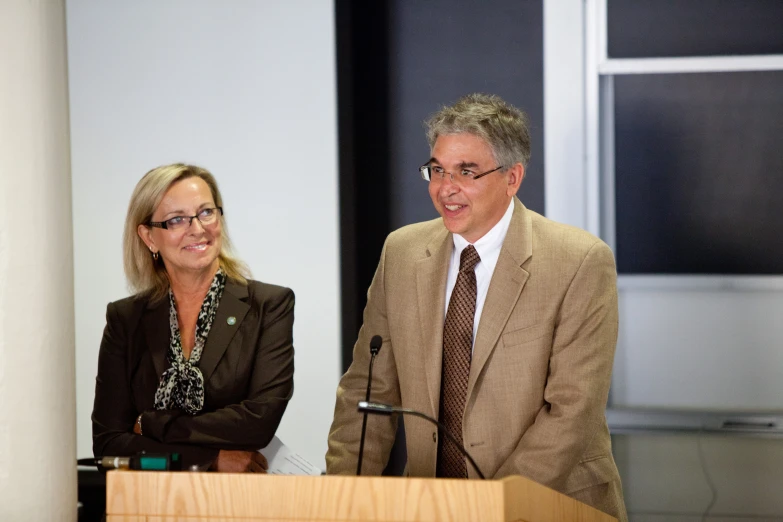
468	259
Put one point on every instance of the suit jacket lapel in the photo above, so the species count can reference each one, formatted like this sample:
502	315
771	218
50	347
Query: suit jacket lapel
507	282
157	334
232	304
431	274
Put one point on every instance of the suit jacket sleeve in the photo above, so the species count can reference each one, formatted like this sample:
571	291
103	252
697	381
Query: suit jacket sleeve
344	435
580	369
114	413
250	424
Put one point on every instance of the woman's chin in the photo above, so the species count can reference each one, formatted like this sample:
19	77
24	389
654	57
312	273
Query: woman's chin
195	266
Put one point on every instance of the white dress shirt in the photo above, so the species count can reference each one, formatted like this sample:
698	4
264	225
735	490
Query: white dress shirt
488	248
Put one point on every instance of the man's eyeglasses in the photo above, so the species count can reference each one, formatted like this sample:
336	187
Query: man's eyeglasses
206	216
438	173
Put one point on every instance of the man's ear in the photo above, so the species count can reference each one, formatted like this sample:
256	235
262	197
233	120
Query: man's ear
515	176
145	234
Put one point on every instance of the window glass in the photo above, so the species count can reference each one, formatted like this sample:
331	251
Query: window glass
647	28
699	173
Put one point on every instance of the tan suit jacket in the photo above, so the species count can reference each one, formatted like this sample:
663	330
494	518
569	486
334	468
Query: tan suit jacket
248	370
541	367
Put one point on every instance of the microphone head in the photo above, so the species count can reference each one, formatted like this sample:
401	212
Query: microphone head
375	407
375	344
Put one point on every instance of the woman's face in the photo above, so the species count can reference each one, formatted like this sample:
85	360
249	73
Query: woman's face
192	249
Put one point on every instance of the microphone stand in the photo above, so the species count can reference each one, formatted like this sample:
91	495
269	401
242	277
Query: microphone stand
385	409
375	346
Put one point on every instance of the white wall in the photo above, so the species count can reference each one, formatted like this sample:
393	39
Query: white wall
709	349
246	89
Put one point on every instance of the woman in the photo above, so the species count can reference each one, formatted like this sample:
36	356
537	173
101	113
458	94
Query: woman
200	361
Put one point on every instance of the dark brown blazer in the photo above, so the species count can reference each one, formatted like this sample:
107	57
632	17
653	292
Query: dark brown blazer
248	370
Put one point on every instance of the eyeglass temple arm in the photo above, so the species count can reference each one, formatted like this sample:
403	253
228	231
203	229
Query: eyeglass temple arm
485	173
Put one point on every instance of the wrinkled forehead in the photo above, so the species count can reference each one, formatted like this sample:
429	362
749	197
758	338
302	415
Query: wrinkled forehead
474	137
461	148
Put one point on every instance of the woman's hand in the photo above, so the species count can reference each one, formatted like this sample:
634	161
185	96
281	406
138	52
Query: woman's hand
232	461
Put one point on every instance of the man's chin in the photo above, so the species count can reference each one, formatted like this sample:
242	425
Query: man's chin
453	226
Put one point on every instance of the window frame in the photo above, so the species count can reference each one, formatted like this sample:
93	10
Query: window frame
579	145
579	129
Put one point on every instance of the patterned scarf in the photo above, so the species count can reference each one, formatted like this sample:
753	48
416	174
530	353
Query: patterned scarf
182	385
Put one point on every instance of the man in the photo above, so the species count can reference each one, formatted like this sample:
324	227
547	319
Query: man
495	320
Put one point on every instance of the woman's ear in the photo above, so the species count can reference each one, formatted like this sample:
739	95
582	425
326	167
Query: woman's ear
145	234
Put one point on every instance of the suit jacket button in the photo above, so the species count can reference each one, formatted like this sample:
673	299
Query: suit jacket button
434	436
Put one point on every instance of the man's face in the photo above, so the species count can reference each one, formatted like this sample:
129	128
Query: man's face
470	207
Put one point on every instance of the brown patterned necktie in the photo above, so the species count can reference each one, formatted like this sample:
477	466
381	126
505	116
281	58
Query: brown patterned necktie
457	347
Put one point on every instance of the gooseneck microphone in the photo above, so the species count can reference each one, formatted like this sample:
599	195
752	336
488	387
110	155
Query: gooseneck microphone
142	461
375	347
385	409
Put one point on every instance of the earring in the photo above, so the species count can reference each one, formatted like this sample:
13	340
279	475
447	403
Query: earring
155	255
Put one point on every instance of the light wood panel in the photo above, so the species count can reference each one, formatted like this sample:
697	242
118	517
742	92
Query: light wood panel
133	496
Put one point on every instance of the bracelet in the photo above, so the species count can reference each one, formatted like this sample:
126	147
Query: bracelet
138	423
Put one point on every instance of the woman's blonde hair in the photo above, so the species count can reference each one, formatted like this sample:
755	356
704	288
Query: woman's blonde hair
146	275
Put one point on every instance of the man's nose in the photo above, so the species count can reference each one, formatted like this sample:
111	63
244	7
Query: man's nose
448	186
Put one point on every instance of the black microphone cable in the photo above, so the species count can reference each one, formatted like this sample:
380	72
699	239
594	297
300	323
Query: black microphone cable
385	409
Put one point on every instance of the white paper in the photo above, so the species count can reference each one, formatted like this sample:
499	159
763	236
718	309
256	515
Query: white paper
283	461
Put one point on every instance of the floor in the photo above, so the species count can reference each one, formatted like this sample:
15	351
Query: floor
694	477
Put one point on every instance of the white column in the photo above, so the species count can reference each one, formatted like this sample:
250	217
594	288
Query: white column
37	397
564	112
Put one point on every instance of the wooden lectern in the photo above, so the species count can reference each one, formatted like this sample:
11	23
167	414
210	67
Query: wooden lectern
146	496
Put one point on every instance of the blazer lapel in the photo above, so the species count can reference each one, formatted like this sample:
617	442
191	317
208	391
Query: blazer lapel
431	274
155	323
232	304
507	282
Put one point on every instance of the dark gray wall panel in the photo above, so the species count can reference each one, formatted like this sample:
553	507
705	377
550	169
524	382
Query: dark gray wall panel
441	50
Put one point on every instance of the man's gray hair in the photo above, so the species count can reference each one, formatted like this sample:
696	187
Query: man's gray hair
487	116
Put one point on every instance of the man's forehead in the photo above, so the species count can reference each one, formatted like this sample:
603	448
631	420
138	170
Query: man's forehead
463	149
